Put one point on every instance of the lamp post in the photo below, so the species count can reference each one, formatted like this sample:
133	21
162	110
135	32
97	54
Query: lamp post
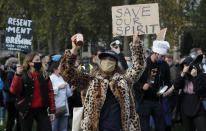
126	44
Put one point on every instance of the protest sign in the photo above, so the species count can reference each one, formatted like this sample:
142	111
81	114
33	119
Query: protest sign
161	35
130	19
18	35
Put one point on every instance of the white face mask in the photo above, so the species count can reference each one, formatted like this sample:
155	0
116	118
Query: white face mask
169	63
129	63
107	66
204	60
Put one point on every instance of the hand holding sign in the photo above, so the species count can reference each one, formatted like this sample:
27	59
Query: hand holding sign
136	39
19	69
162	34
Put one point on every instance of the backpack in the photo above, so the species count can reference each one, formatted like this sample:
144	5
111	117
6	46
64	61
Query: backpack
1	84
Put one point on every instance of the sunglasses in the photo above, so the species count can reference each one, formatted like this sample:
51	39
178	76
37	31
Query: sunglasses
154	71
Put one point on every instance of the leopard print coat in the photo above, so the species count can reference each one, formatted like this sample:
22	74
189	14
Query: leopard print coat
94	90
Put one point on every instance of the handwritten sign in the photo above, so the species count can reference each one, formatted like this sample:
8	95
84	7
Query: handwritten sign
130	19
19	34
161	35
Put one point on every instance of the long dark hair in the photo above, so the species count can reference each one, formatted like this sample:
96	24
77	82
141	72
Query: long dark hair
54	66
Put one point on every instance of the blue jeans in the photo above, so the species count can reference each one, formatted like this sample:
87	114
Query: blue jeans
3	108
154	108
2	113
60	124
167	111
204	104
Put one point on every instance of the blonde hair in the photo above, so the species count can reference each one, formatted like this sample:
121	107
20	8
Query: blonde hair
26	65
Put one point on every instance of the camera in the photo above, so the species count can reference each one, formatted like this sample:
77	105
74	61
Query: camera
115	43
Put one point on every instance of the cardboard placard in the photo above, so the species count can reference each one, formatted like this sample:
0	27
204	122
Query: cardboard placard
19	35
130	19
162	34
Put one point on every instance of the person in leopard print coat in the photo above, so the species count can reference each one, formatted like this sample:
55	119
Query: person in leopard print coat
107	97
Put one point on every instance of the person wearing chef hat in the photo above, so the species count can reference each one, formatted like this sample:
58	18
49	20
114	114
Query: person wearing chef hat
155	77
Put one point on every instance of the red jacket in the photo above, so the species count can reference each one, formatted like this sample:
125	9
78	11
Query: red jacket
17	86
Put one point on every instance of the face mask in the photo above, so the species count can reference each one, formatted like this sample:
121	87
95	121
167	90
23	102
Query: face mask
97	62
129	63
169	63
193	56
159	59
107	66
203	60
14	66
37	66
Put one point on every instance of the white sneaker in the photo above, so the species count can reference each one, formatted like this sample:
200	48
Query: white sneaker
1	122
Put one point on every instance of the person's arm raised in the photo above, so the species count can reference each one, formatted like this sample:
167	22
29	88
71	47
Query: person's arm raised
68	71
138	60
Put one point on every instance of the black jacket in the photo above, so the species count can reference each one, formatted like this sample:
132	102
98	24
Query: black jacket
3	75
123	61
28	88
9	97
23	87
24	99
191	104
161	79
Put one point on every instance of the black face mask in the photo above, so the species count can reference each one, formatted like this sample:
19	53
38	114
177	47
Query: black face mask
13	66
37	66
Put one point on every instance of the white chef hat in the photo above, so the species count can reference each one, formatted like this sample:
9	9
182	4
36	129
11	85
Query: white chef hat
160	47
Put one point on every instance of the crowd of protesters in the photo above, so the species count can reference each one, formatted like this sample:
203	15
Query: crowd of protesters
143	91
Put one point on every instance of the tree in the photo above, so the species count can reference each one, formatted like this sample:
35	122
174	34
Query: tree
55	21
199	26
171	17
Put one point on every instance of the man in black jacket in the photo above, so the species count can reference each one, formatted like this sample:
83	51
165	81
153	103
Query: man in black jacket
155	76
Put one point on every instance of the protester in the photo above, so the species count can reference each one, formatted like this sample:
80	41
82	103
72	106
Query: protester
61	91
45	59
155	76
170	101
35	94
128	60
109	103
2	94
174	70
95	56
12	113
204	63
85	66
116	48
193	82
75	99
